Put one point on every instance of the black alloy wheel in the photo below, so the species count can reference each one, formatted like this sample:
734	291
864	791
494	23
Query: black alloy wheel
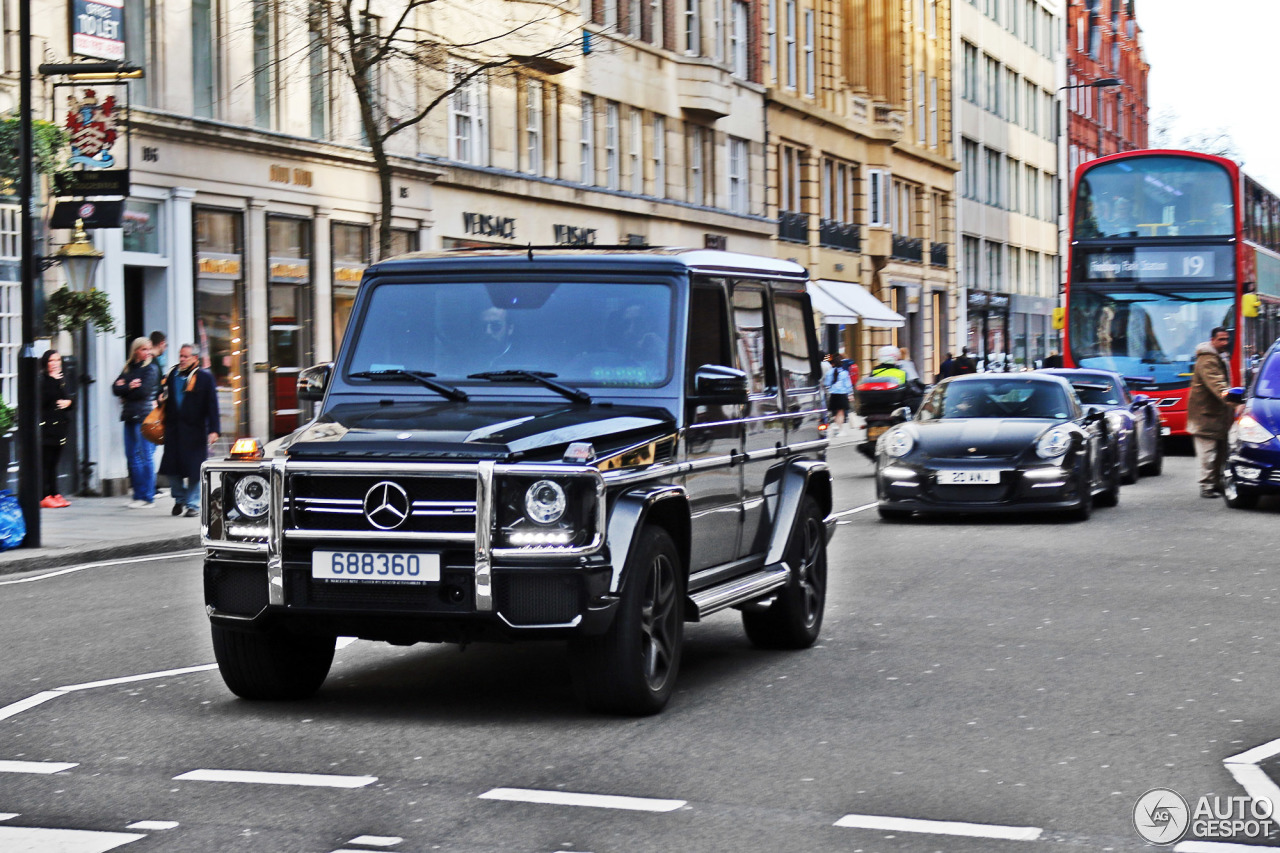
794	619
272	666
632	667
1110	496
1084	491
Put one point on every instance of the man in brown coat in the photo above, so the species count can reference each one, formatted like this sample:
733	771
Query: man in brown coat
1209	415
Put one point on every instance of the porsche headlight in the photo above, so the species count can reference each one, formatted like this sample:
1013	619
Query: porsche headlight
1248	429
252	495
1054	443
898	443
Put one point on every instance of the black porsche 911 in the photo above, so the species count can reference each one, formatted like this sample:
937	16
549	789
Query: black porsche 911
994	443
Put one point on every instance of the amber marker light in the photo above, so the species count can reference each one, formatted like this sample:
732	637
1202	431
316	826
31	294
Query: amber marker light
246	448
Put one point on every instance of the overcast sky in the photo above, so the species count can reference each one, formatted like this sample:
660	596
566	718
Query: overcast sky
1215	65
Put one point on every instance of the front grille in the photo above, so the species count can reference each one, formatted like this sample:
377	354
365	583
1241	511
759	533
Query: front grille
537	599
454	594
336	502
238	589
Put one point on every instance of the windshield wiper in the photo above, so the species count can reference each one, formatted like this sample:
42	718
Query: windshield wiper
546	380
420	376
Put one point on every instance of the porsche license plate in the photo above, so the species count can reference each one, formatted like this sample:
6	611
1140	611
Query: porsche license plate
984	477
381	566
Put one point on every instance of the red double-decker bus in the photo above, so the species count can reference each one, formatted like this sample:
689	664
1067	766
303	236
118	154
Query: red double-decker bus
1166	245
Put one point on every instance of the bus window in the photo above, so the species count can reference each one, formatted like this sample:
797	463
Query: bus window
1157	196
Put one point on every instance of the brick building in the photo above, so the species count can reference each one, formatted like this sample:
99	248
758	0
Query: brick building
1104	41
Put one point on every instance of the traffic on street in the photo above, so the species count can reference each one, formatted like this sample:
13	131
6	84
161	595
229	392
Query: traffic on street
980	683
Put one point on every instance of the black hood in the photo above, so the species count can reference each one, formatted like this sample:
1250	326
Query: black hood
1000	437
446	431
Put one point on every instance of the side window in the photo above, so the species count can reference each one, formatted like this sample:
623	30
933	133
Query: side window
796	342
708	329
755	347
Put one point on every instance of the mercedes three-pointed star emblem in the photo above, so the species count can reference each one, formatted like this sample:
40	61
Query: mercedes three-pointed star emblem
386	505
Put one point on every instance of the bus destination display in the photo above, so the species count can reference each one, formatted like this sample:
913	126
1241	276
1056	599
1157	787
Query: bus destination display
1210	263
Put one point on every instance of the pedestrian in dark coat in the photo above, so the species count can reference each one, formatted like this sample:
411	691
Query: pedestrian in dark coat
55	421
191	424
137	387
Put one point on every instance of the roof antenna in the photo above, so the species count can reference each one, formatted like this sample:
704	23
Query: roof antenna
530	251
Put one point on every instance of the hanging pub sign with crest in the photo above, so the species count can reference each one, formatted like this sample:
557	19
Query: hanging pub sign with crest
96	121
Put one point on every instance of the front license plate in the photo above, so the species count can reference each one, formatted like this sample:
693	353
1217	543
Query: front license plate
969	478
381	566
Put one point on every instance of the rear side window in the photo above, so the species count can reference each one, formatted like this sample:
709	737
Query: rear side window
755	347
796	342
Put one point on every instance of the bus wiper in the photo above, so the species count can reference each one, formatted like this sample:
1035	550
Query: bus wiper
422	377
546	380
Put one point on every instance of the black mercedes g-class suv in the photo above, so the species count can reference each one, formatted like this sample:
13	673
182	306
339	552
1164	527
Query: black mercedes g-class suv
590	446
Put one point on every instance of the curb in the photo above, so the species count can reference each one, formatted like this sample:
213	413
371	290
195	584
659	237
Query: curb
56	558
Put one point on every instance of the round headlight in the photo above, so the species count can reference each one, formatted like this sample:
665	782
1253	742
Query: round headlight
1054	443
898	443
544	502
252	496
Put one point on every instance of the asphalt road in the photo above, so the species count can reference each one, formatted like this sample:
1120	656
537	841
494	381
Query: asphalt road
1029	675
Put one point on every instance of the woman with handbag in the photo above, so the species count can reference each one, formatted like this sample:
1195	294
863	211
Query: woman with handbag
136	387
55	419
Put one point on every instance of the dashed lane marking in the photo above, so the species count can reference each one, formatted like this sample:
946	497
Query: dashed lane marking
38	767
376	840
263	777
940	827
63	840
127	561
565	798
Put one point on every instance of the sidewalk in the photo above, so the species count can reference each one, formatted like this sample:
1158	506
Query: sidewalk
103	529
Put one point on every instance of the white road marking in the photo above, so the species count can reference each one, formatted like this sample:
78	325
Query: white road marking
862	508
1245	769
103	564
262	777
565	798
39	767
40	698
376	840
1215	847
8	815
940	827
155	825
63	840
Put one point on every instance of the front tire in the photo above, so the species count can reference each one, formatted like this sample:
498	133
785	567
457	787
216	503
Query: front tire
272	666
1111	495
1155	467
631	668
1131	462
794	619
1084	488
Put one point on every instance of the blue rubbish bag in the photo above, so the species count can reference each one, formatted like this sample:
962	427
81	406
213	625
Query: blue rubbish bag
13	526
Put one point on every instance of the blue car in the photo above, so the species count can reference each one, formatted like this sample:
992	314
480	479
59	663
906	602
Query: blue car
1134	418
1253	464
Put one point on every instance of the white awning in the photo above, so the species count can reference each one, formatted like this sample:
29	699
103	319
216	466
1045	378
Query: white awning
846	302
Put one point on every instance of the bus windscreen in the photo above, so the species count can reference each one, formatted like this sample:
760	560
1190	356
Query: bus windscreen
1145	332
1156	196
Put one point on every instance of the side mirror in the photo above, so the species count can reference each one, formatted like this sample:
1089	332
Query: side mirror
314	381
717	384
1235	395
900	415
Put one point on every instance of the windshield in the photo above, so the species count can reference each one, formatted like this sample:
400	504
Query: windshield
996	398
581	333
1154	197
1269	378
1143	332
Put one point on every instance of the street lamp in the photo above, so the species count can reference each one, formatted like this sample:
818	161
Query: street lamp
80	260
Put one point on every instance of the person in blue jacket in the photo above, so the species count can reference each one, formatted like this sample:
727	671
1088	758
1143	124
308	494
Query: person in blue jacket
191	425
